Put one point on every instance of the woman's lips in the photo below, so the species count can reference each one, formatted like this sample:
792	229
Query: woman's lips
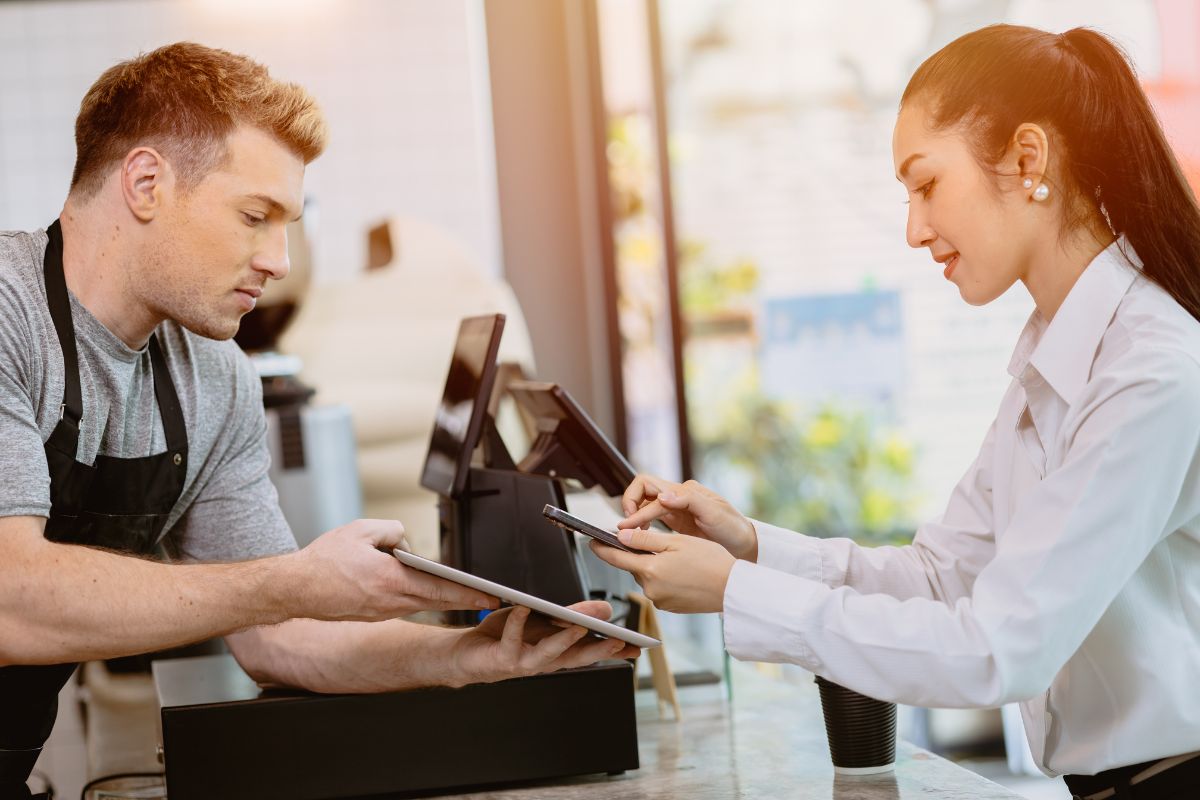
950	265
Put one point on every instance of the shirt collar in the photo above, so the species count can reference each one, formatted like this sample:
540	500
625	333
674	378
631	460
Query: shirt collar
1062	351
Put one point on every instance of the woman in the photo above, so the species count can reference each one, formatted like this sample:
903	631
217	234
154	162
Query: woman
1065	572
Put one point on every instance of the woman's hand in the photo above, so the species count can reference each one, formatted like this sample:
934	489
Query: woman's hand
511	643
683	574
692	509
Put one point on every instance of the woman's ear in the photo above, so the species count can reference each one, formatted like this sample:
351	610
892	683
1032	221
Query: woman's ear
145	180
1029	152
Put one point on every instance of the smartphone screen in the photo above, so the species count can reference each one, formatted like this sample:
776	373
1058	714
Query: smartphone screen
572	523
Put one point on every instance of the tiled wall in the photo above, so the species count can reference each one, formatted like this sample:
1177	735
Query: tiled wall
402	82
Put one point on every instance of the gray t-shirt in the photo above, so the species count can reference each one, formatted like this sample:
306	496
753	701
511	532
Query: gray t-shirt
228	510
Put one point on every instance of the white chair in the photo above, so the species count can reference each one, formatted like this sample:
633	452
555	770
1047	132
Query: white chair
381	344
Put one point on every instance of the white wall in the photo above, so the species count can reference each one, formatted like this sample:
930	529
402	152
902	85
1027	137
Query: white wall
402	82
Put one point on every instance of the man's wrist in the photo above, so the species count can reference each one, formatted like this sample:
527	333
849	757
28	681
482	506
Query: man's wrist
442	665
282	584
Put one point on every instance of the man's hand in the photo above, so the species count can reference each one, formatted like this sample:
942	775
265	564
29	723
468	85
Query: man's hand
683	574
511	643
692	509
350	573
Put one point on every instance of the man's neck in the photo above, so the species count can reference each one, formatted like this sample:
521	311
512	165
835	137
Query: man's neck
98	253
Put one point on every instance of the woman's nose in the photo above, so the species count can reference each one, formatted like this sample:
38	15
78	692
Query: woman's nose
919	233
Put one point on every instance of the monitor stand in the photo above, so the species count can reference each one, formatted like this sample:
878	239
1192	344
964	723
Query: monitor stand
496	530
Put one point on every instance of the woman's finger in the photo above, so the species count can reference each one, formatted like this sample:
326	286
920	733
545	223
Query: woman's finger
630	562
641	490
650	541
644	515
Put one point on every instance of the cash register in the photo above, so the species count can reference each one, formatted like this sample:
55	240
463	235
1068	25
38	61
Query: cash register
224	736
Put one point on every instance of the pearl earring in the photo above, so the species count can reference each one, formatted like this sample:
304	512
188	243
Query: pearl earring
1041	192
1027	183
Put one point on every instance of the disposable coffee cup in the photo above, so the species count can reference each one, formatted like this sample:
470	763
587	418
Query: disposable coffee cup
860	729
127	787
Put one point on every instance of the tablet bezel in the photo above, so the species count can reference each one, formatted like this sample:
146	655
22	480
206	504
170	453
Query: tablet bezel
515	597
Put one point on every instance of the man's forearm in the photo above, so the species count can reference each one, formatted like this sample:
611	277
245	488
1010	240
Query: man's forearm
348	656
62	603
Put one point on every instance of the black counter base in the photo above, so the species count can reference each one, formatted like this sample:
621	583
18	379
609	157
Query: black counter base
223	738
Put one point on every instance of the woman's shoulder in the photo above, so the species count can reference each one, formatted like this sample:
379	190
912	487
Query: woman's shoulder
1150	327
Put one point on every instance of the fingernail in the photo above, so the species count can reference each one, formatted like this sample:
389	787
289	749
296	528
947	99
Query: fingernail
667	496
484	604
616	646
625	536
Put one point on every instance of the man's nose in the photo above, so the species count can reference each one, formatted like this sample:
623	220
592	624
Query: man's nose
272	258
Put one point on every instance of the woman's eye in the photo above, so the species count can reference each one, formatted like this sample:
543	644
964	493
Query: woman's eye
252	220
923	190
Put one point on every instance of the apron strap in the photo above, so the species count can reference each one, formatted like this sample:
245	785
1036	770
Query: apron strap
174	427
59	303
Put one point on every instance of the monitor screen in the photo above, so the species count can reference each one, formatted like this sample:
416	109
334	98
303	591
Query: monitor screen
569	444
460	416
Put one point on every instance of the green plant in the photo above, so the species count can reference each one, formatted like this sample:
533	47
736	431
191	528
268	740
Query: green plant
833	471
706	287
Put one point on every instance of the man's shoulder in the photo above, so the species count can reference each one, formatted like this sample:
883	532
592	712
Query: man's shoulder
22	296
24	246
21	257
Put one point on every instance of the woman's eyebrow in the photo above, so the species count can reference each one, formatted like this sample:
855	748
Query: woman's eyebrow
903	173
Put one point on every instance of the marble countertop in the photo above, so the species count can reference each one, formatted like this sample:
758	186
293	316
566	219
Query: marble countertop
768	743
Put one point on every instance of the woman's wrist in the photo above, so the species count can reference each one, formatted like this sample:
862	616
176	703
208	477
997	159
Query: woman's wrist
749	549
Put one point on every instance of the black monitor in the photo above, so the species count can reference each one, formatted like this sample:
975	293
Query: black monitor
568	443
460	416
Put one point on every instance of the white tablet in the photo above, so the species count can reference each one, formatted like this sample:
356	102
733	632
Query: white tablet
521	599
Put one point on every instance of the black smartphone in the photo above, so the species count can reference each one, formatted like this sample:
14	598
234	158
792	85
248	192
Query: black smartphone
572	523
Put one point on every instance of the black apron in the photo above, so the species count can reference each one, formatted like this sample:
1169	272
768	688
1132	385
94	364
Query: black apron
117	503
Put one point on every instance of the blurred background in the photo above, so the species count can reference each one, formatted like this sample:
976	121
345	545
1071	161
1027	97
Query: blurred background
687	206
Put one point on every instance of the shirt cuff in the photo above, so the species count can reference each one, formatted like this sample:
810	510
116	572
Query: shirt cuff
767	614
788	551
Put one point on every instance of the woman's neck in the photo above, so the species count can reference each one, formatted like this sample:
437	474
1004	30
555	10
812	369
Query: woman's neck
1058	263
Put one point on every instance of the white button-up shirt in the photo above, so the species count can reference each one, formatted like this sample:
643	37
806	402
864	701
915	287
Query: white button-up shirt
1065	571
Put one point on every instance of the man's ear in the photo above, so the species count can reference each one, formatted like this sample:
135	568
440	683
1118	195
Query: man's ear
146	180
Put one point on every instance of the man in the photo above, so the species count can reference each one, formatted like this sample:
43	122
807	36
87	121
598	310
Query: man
131	425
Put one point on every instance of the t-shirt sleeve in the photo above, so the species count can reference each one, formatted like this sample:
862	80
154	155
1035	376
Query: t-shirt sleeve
24	478
236	514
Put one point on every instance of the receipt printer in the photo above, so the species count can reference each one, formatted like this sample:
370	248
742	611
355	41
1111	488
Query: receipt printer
222	736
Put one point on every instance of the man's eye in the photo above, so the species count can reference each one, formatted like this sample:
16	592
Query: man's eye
252	220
